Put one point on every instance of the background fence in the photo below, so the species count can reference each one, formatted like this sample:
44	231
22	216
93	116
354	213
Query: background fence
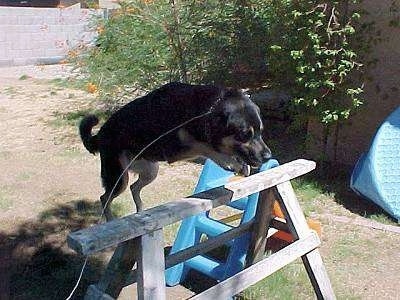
31	35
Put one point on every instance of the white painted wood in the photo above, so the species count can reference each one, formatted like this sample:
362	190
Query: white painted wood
260	270
151	278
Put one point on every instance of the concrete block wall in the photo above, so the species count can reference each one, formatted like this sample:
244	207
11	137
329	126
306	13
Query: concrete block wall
31	35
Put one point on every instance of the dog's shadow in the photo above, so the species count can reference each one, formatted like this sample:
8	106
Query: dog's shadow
35	262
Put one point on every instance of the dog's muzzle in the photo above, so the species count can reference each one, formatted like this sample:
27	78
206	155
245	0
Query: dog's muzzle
257	154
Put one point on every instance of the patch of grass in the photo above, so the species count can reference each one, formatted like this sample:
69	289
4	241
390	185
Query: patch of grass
10	91
170	232
310	194
24	176
382	218
307	189
5	201
71	83
291	282
350	246
70	153
24	77
123	205
73	118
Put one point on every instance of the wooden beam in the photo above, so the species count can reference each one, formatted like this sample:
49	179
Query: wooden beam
259	231
318	276
260	270
151	276
96	238
291	209
299	229
269	178
118	268
198	249
279	224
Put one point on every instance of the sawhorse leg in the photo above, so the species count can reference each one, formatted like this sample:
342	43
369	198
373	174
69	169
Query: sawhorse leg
299	229
148	252
118	268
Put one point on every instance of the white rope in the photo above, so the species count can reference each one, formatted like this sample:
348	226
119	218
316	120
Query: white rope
79	278
120	177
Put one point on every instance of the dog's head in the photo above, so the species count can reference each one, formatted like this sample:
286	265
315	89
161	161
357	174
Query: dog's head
238	129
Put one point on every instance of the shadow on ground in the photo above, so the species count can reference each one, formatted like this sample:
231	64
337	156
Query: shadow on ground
35	262
336	181
288	144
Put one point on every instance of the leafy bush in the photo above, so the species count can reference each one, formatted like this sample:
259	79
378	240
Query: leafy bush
305	48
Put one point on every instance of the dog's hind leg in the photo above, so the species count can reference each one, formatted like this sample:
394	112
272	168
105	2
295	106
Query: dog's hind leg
111	172
147	171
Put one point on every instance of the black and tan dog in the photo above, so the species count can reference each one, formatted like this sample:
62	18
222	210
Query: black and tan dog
224	125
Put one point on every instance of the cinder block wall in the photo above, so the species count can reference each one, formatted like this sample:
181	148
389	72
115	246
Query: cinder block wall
31	35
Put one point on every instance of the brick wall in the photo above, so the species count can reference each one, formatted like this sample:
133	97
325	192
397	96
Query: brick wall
43	35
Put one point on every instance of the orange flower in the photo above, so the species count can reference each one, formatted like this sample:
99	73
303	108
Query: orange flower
100	29
91	88
72	53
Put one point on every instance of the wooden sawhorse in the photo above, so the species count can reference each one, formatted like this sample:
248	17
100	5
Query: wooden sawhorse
140	239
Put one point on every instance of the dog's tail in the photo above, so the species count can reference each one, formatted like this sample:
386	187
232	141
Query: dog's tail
85	131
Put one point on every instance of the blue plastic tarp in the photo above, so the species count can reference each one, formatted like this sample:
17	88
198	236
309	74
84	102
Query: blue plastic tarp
376	175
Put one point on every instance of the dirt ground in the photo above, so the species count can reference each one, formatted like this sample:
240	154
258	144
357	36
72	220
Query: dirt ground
49	185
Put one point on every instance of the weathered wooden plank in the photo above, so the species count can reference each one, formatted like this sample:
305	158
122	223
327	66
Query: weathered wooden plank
318	276
151	278
260	270
269	178
260	228
299	229
291	210
99	237
279	224
201	248
102	236
118	268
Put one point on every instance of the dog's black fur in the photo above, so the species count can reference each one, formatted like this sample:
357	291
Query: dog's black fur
226	128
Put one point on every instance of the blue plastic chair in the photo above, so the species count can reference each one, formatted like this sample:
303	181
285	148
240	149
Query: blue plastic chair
376	175
193	228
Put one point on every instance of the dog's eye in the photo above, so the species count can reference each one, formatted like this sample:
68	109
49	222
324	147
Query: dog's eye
245	135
